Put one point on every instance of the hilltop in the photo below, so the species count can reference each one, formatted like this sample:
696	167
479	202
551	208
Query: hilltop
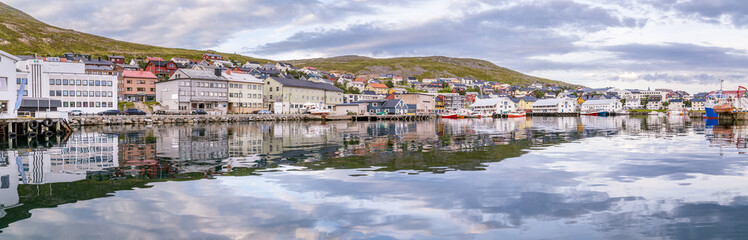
22	34
424	67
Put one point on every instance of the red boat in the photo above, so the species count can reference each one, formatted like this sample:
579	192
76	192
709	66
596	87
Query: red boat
516	114
589	113
450	115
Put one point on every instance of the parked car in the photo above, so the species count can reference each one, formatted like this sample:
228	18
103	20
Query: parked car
199	112
262	112
134	111
75	113
110	112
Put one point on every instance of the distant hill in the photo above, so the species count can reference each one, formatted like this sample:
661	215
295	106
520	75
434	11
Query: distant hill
424	67
21	34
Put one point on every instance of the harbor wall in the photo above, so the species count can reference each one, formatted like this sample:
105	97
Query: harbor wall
169	119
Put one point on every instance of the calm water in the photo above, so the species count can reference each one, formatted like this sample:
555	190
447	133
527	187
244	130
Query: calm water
540	178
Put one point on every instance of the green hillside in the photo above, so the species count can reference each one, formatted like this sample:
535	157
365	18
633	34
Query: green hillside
21	34
424	67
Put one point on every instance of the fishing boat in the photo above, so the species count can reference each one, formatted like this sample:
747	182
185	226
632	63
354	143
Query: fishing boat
315	109
449	114
516	114
589	113
602	113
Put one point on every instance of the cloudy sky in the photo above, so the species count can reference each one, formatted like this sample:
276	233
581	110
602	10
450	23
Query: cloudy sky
682	44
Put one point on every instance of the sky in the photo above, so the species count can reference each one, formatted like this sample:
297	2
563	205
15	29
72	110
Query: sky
676	44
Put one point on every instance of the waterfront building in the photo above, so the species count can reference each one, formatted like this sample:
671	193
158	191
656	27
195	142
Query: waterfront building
386	106
697	104
601	105
676	105
654	104
189	89
554	105
377	88
633	103
525	103
286	95
494	105
8	92
454	101
65	86
424	103
245	92
138	86
357	108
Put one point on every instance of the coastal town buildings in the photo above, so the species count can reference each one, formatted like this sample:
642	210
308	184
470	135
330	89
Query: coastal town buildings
601	105
285	95
245	92
189	90
138	86
8	92
64	86
424	103
494	105
554	105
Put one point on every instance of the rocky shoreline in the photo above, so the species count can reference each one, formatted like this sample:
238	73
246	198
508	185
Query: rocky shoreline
169	119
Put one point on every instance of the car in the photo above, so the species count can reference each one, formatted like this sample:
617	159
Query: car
111	112
199	112
76	113
262	112
134	111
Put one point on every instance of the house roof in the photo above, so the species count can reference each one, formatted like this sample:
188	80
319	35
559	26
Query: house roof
487	102
377	85
698	100
98	67
241	77
138	74
306	84
391	103
549	101
599	102
196	74
158	63
368	93
126	66
676	100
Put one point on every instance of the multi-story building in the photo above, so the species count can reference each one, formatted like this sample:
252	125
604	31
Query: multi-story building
162	69
697	104
366	95
245	92
555	105
138	86
284	95
377	88
68	83
189	89
654	104
676	105
494	105
425	103
8	92
116	59
454	101
212	56
597	105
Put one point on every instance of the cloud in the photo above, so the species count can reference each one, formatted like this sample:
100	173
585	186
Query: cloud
186	24
499	34
714	11
680	56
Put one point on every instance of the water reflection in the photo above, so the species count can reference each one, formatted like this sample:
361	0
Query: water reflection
544	177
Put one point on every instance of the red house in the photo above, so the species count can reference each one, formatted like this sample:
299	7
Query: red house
116	59
212	56
162	69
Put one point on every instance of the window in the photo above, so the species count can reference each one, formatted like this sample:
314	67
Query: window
58	81
51	93
85	82
64	104
97	83
78	82
78	94
64	82
85	93
51	82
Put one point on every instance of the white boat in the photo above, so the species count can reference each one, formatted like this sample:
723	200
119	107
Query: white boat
315	109
516	114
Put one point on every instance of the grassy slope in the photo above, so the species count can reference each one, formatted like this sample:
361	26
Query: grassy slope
424	67
21	34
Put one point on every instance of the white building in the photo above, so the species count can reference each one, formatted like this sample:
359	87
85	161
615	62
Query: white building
189	89
676	105
601	105
554	105
68	83
697	104
494	105
633	103
655	104
8	92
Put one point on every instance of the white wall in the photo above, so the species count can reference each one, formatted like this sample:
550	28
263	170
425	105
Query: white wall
8	84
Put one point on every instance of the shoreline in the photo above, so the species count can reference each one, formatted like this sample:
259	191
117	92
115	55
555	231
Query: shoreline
169	119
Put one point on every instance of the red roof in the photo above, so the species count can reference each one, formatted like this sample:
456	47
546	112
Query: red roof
138	74
377	85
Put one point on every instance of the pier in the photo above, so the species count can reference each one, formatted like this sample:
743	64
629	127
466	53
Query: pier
33	132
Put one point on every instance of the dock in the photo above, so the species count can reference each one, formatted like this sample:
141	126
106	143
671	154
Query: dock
33	132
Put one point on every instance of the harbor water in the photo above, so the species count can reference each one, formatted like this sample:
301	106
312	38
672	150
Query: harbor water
588	177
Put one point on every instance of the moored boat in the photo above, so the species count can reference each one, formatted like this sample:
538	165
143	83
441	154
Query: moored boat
516	114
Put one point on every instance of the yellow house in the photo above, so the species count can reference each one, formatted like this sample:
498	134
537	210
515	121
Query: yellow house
378	88
525	103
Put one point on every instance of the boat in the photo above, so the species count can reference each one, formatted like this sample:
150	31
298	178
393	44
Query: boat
449	114
315	109
516	114
602	113
589	113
